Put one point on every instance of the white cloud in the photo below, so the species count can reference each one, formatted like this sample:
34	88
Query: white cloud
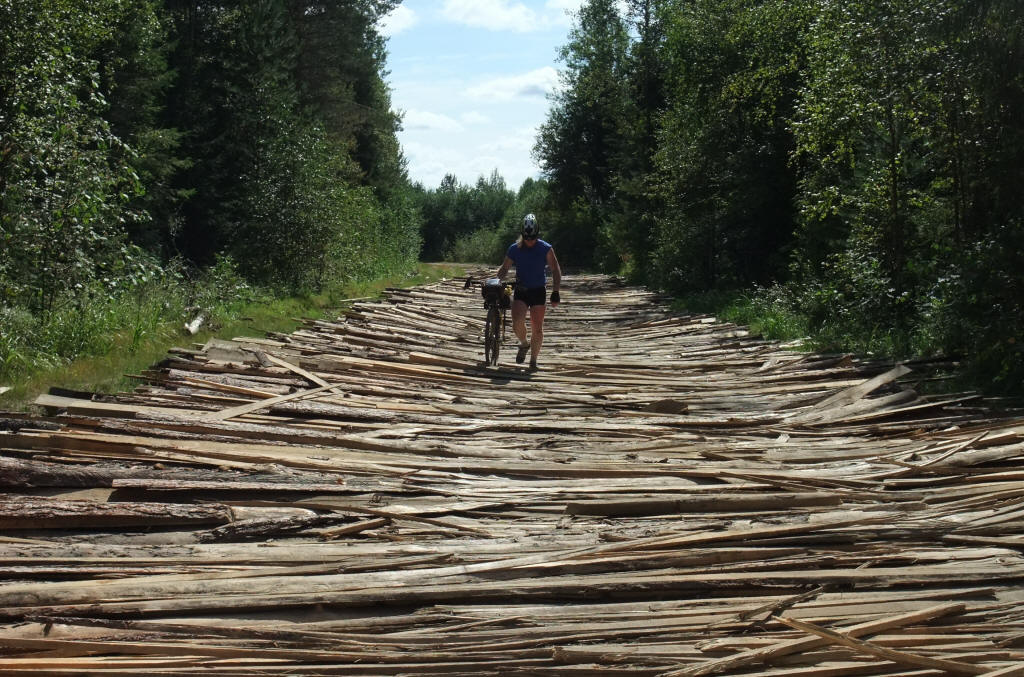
505	15
474	118
563	5
425	120
561	11
400	19
518	141
495	15
429	162
535	84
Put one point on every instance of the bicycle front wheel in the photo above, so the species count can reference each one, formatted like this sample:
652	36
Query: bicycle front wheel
492	336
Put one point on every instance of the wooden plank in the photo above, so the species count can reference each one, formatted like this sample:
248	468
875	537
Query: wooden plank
244	409
900	657
298	370
53	514
801	645
433	517
708	503
119	410
850	395
22	474
1009	671
351	529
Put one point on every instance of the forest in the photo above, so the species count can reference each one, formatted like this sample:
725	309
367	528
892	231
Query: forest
154	153
852	169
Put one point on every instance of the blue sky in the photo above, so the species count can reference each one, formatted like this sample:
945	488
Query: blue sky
472	78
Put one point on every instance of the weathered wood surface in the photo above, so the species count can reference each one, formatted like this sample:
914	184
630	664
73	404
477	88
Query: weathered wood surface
668	495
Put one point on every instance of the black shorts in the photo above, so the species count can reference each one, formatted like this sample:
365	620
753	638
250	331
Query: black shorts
531	296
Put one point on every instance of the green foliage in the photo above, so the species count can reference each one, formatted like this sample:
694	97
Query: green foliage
153	322
95	320
485	245
258	130
724	143
135	78
453	211
340	72
17	326
213	289
583	139
293	147
476	224
976	309
627	236
771	312
863	127
255	139
375	241
858	163
894	135
63	176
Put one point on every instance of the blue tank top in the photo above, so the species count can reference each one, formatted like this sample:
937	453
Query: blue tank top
530	262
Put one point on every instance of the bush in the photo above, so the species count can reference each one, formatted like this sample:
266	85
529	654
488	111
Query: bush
79	325
95	319
215	289
976	310
16	355
771	312
485	245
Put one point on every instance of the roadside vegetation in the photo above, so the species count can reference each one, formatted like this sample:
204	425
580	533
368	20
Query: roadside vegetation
849	172
96	347
475	222
162	160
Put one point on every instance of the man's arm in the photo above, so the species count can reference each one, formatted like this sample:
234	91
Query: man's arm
506	264
556	275
556	271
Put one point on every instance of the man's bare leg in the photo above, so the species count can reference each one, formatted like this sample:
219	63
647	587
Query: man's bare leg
536	332
519	327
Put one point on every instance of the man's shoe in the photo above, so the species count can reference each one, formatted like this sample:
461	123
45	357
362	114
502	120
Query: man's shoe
533	365
521	355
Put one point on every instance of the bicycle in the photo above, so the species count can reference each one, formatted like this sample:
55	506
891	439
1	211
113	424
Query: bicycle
497	300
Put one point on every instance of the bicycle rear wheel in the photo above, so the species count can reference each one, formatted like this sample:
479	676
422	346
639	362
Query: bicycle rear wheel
492	336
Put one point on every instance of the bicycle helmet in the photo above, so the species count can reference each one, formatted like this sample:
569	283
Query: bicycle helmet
530	229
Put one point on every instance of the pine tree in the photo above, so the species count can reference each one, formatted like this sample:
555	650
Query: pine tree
579	144
633	231
135	75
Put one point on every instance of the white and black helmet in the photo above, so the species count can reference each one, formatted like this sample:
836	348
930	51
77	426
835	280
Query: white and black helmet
530	228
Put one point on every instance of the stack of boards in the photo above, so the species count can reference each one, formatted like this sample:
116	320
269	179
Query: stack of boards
666	495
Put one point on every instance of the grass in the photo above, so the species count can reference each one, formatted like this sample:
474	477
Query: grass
766	312
132	351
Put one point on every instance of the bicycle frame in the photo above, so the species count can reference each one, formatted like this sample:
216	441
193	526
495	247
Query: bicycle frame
497	300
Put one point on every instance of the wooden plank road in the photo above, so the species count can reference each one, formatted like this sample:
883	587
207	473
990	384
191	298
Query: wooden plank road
667	495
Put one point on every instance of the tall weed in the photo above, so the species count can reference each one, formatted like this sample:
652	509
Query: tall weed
78	325
95	320
771	312
16	355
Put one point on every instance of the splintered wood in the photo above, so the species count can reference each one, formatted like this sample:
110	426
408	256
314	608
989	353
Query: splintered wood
667	495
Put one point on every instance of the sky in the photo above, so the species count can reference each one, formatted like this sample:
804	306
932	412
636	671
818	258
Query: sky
472	78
